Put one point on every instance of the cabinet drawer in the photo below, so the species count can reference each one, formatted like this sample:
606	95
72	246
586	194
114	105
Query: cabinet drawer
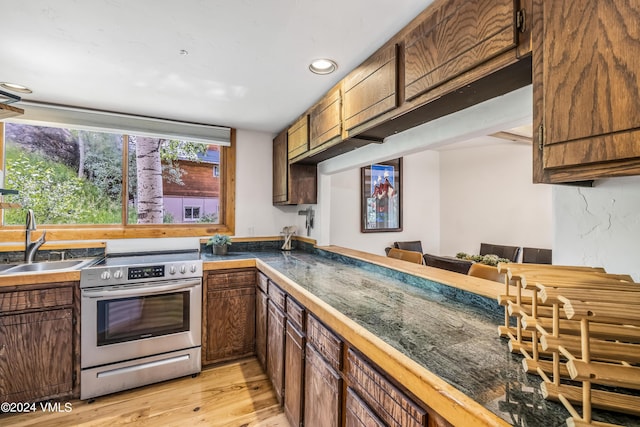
358	413
389	403
263	282
53	296
325	341
295	314
231	279
277	295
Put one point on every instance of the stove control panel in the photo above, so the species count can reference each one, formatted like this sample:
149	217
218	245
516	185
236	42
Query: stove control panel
145	272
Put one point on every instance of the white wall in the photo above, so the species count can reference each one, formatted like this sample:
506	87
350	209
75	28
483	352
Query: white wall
255	213
487	196
599	226
421	215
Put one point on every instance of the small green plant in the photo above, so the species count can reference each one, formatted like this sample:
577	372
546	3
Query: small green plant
219	240
483	259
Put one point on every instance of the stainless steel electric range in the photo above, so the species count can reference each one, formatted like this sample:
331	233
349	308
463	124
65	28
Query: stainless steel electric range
141	320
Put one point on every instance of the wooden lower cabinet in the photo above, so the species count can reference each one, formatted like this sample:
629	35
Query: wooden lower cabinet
39	342
275	349
294	375
229	315
358	413
322	391
261	328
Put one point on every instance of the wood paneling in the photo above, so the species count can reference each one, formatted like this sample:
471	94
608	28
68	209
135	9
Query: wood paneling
298	137
275	349
457	36
585	89
294	375
229	304
322	392
36	355
325	120
371	89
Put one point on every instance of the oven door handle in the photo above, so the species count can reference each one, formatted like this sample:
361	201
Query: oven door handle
143	290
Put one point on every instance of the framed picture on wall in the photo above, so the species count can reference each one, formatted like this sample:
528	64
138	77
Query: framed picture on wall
381	197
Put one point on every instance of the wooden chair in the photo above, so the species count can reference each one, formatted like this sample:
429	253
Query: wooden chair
414	245
411	256
488	272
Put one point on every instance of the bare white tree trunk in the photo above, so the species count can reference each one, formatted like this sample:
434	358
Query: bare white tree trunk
149	174
81	154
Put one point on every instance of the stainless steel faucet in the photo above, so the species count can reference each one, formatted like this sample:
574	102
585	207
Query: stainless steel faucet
30	247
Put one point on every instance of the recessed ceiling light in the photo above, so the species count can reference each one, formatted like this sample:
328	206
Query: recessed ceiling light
15	87
323	66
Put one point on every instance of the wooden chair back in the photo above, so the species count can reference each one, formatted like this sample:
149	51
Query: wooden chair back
411	256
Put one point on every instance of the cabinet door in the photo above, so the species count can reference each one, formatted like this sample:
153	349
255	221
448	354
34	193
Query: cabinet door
326	121
456	37
358	413
370	90
36	355
230	326
261	328
275	349
280	168
298	137
322	392
587	90
294	375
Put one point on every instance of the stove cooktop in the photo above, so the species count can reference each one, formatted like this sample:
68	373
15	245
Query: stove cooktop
141	258
130	268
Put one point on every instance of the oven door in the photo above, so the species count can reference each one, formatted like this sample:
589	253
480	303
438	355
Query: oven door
126	322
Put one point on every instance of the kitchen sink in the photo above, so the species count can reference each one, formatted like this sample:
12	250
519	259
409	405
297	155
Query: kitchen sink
48	266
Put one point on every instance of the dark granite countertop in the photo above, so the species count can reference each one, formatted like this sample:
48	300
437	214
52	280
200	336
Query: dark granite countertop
451	333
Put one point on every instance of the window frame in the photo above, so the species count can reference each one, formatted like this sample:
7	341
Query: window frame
80	232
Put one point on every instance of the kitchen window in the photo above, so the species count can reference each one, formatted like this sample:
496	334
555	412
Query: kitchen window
80	180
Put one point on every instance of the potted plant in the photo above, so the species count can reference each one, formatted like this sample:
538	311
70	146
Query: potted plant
219	243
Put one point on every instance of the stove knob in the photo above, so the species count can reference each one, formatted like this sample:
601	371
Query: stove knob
117	274
194	268
106	275
172	270
183	269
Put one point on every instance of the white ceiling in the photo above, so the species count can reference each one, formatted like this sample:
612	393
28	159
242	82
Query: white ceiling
247	62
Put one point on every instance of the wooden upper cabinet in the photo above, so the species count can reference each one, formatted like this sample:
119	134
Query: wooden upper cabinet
456	36
280	168
292	183
326	120
371	89
298	135
586	90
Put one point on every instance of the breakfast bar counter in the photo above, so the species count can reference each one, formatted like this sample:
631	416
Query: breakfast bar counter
438	341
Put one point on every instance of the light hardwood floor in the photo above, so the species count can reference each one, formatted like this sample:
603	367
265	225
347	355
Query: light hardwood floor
234	394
